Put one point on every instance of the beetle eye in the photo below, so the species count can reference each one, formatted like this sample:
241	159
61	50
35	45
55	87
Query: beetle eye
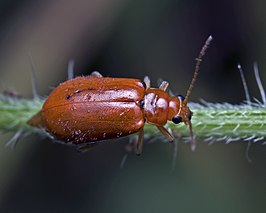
177	119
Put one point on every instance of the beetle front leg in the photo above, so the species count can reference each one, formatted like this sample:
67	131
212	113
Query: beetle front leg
166	133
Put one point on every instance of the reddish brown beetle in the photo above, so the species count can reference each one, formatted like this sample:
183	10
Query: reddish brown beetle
88	109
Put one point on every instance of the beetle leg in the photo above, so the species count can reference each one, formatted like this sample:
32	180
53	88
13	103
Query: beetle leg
128	148
164	85
86	147
147	81
139	143
96	74
166	133
175	144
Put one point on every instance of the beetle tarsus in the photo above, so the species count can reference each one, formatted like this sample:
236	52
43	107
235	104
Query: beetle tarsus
193	145
86	147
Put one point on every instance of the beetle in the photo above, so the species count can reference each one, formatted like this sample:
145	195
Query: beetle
89	109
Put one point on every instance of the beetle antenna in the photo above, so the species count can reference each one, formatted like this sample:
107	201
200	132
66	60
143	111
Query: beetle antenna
197	66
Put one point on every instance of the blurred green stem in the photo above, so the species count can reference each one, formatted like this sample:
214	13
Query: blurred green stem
213	122
16	111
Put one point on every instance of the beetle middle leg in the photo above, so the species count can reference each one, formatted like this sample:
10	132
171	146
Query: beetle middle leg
128	148
166	133
135	143
139	142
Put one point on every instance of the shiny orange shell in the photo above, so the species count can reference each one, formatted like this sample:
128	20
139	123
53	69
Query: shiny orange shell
87	109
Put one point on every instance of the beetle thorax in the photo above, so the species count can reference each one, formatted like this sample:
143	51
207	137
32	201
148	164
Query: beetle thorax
156	106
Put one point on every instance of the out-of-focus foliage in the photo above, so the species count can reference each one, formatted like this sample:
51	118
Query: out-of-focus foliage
132	39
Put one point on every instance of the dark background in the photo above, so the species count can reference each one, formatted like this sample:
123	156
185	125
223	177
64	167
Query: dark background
132	39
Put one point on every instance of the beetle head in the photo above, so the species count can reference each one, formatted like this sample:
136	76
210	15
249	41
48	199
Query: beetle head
180	112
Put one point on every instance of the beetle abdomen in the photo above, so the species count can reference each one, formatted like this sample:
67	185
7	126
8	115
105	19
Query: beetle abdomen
88	109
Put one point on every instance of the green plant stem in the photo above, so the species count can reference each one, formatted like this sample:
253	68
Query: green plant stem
16	111
212	122
225	122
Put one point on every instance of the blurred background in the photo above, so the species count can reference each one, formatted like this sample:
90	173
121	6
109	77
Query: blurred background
126	38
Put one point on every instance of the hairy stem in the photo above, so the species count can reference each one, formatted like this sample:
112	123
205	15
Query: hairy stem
225	122
16	111
211	121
